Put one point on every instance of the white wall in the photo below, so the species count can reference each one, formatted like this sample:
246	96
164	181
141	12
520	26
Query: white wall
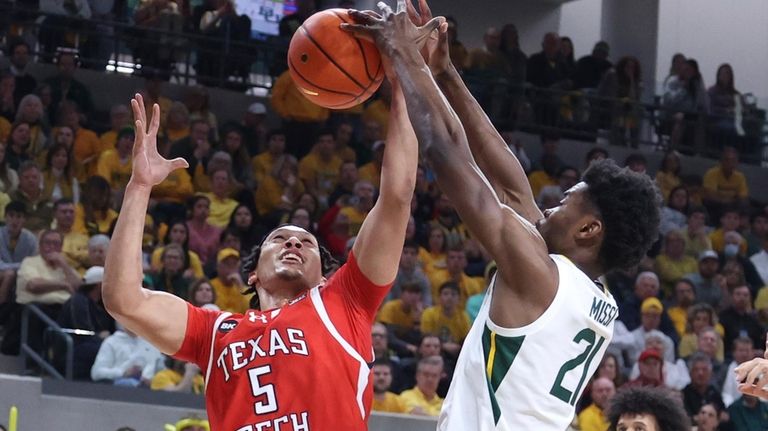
581	21
715	32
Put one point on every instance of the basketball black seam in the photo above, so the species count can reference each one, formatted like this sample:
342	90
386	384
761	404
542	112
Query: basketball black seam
290	61
362	51
351	78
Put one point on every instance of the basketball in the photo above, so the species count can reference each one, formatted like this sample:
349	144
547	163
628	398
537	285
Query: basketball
330	67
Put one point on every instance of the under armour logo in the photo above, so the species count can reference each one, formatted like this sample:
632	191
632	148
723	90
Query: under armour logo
253	317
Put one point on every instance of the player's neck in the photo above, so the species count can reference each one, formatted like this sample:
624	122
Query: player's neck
586	262
278	298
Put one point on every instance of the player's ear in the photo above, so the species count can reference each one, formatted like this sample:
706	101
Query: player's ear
252	279
591	228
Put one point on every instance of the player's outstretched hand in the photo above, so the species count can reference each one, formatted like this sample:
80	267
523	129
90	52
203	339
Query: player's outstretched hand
435	51
752	376
391	31
149	167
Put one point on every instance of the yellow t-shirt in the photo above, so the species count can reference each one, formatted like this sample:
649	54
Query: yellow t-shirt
102	225
262	166
87	147
323	174
165	378
435	322
468	286
174	135
593	419
431	262
290	104
269	195
689	345
390	404
761	301
221	210
35	267
5	129
413	398
666	183
115	171
356	219
229	298
669	271
177	187
679	318
346	154
377	111
538	180
108	139
194	262
717	237
370	172
734	186
75	249
392	313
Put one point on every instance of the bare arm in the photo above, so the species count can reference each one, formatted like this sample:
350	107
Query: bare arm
380	241
158	317
39	286
494	158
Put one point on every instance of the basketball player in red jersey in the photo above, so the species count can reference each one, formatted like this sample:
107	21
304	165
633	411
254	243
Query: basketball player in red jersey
300	361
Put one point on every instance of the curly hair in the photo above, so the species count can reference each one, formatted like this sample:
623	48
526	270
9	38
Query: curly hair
657	402
250	262
628	204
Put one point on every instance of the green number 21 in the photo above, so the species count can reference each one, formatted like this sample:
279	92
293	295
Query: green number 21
589	353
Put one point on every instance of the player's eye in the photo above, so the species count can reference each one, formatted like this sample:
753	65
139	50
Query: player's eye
278	237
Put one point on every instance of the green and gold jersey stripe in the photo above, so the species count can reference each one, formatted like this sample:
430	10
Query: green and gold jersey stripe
499	353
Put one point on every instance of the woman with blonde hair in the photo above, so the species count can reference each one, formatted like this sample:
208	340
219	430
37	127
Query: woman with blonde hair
700	317
31	111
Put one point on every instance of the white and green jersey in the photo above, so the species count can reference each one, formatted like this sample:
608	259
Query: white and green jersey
530	378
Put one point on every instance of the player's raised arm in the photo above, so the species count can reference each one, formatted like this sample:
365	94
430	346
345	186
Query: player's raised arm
498	163
158	317
510	239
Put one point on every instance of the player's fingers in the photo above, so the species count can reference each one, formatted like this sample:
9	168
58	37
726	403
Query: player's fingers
178	163
357	30
765	355
412	13
142	111
427	29
154	124
401	6
386	11
138	139
424	10
754	375
366	17
443	27
136	114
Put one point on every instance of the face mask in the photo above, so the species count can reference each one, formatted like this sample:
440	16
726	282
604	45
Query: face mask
731	250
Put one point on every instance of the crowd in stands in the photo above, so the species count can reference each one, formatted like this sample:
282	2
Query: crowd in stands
696	306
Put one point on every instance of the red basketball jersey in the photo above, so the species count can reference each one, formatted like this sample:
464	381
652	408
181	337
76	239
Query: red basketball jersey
300	367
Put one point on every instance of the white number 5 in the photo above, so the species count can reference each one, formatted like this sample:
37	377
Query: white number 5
258	390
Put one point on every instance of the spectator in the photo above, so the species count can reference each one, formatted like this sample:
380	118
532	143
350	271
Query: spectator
593	417
739	320
203	237
319	170
178	376
228	284
486	65
171	196
589	70
700	317
177	124
448	220
64	86
197	101
726	104
115	164
742	352
403	317
361	203
173	277
709	284
625	114
760	261
156	55
281	189
263	162
675	70
673	214
221	205
87	145
636	162
684	298
709	417
17	148
448	320
57	28
75	246
7	102
708	341
567	56
94	215
85	311
609	368
98	245
178	233
456	50
550	196
729	222
9	178
646	286
634	342
700	391
648	409
456	264
124	359
683	100
758	233
196	149
201	294
59	180
19	53
255	130
695	233
546	71
383	399
344	138
725	185
674	374
748	413
16	244
650	364
672	264
39	209
345	187
30	110
302	119
153	92
119	118
423	398
227	31
409	272
244	224
371	171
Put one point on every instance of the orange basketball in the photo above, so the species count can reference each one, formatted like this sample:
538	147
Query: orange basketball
331	67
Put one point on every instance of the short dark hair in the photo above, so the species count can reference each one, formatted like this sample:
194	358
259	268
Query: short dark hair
250	262
411	287
275	132
628	204
692	209
597	150
756	215
62	201
563	169
742	340
657	402
635	158
450	285
383	362
409	243
16	207
325	131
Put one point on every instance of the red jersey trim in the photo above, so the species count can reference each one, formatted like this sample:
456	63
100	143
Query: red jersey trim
216	325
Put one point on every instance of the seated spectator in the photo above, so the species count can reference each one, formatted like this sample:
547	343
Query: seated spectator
281	189
361	203
319	170
650	365
221	26
233	145
59	180
172	194
700	391
609	368
172	277
700	317
19	53
724	184
98	245
222	205
9	179
760	261
696	233
124	359
646	286
371	171
748	413
739	320
742	352
17	146
201	294
85	311
94	215
228	284
567	177
115	164
758	232
546	175
456	264
178	234
707	343
634	342
668	175
447	320
156	52
673	214
87	145
729	222
709	417
243	221
488	61
684	297
119	118
383	399
334	230
433	258
301	118
409	272
196	149
636	162
39	209
64	86
423	398
709	284
262	163
16	244
178	376
403	318
683	100
675	374
255	131
672	264
737	269
31	111
726	105
344	138
593	417
75	247
177	124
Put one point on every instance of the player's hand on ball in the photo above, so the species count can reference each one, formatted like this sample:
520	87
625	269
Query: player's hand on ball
752	377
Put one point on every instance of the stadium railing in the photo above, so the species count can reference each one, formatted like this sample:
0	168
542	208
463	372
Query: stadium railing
51	328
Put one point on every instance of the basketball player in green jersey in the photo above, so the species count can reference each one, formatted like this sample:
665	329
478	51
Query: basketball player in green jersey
545	323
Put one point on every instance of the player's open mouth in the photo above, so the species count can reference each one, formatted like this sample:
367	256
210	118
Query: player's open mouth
291	257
